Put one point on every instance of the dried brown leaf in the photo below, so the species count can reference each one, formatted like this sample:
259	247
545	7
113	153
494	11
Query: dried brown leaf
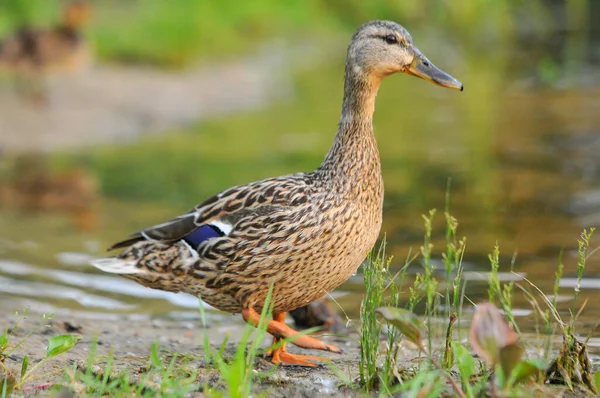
490	332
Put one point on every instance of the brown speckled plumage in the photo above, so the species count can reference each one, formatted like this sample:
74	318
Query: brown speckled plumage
304	233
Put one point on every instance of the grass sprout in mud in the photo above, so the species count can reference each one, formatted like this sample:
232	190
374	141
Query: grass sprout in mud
498	362
177	375
400	352
164	375
19	379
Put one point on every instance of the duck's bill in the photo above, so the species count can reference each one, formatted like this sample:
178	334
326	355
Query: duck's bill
421	67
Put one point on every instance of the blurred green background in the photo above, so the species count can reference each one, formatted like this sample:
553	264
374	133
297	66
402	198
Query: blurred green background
517	147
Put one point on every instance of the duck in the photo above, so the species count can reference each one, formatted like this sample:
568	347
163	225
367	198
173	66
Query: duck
32	188
292	238
318	314
32	53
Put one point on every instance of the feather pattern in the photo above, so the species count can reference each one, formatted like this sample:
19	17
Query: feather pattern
304	233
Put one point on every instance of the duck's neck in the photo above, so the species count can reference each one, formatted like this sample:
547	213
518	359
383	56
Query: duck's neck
354	151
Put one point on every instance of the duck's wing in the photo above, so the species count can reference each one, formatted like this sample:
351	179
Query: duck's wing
223	210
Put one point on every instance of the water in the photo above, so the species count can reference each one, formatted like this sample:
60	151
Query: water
517	149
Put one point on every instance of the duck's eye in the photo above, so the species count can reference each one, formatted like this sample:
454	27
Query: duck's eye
391	39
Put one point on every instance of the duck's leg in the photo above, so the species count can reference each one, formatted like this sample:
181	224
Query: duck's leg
278	317
279	330
280	355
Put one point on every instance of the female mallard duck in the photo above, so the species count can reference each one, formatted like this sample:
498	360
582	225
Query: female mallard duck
33	187
303	234
31	53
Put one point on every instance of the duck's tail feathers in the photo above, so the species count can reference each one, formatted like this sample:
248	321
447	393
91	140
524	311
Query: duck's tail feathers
115	265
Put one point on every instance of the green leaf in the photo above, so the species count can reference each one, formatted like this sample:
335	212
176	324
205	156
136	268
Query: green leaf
60	344
24	366
405	321
525	369
510	356
597	380
7	384
423	384
155	356
3	341
464	362
223	344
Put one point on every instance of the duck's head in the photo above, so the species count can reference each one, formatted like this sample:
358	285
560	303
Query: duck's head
76	14
381	48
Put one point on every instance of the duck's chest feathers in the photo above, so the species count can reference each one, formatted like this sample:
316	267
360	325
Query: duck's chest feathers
349	213
353	169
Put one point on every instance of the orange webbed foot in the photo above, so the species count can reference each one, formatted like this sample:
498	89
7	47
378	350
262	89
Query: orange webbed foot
279	330
281	357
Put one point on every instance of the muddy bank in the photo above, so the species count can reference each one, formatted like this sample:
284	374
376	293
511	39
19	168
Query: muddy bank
130	343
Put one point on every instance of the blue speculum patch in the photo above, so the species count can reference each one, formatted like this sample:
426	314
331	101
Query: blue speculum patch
201	234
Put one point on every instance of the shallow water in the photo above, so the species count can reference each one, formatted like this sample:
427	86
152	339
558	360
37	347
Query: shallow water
519	154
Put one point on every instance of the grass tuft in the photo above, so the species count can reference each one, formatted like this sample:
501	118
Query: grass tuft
370	332
11	379
495	334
